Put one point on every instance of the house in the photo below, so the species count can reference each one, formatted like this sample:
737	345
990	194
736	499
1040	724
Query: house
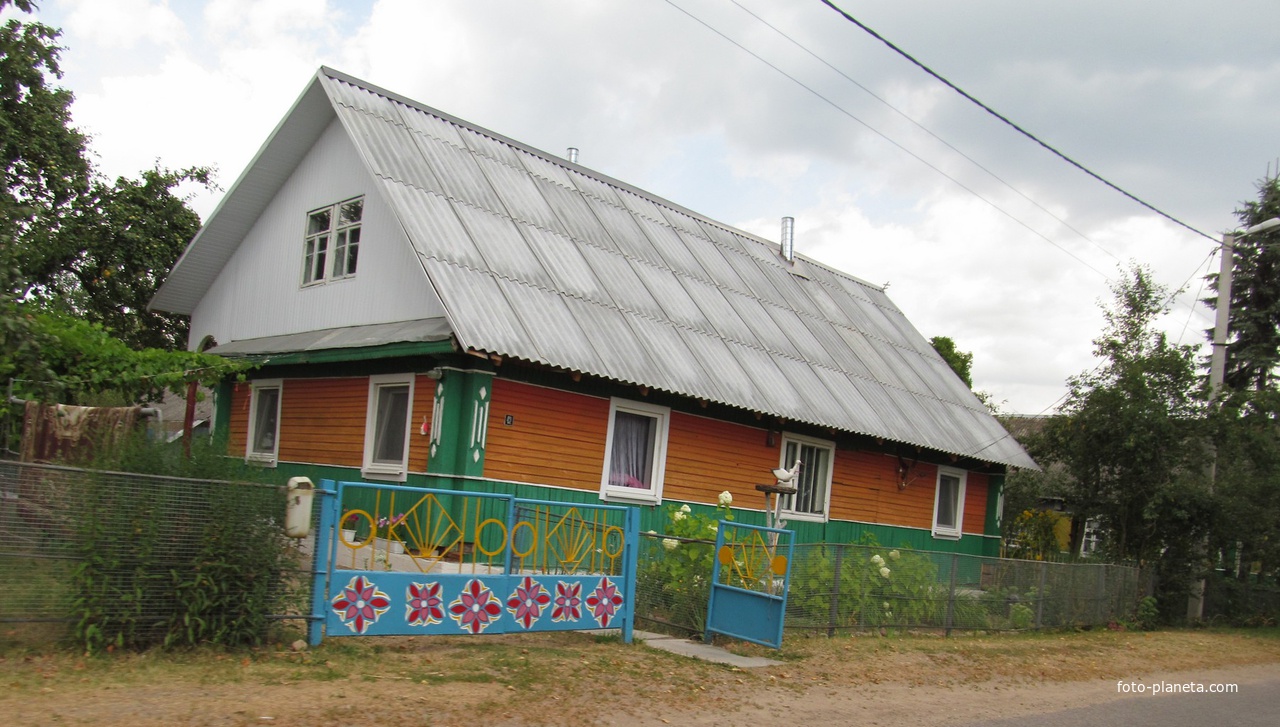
428	297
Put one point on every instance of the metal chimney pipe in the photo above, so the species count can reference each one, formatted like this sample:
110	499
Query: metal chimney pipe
789	239
573	154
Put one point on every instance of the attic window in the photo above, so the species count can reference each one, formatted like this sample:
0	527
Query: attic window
332	244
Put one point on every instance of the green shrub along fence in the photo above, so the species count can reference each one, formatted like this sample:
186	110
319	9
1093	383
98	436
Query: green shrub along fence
860	587
1241	601
132	561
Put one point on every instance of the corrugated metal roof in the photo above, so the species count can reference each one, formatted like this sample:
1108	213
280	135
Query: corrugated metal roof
540	259
378	334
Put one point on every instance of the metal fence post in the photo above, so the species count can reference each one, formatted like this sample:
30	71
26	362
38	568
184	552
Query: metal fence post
834	615
322	559
951	596
1044	574
1101	598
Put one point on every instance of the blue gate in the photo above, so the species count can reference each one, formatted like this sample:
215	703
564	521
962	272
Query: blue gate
405	560
749	583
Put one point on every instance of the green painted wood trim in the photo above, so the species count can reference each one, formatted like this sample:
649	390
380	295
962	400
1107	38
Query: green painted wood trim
222	414
367	353
460	418
995	488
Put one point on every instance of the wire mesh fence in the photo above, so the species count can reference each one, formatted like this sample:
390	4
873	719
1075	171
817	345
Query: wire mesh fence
132	545
132	554
853	587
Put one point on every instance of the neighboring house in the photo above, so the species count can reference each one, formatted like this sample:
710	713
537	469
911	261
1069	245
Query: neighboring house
426	296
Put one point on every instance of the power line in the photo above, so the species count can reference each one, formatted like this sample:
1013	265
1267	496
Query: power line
1010	123
922	127
877	132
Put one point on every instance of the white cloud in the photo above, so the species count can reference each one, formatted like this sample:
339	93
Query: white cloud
122	25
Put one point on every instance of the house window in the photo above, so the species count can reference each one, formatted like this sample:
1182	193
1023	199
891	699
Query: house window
635	453
1092	537
263	442
332	245
386	434
813	483
948	503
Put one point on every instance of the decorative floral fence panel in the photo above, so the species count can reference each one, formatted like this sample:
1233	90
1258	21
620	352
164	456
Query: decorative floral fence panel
749	582
425	561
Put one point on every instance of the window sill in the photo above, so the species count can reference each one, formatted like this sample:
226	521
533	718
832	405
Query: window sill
946	535
382	473
808	517
640	498
260	461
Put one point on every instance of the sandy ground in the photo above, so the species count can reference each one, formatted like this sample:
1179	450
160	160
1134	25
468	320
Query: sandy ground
585	682
415	704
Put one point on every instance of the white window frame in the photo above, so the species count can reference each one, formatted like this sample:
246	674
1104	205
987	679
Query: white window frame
788	501
334	267
397	471
658	463
944	531
250	453
1091	538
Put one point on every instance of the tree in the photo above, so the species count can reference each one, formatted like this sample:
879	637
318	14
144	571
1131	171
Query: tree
959	361
43	169
116	246
1246	427
42	158
79	257
1128	434
1253	350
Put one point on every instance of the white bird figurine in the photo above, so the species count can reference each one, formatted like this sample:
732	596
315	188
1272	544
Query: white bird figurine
786	475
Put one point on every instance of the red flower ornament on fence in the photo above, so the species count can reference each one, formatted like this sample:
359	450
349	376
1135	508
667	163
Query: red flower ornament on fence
527	601
425	607
568	602
476	607
604	602
361	604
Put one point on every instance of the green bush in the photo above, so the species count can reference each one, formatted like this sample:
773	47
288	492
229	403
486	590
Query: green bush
1148	615
166	562
877	587
674	582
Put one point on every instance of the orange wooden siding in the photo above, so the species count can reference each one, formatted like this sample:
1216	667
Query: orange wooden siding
558	438
865	488
555	437
977	485
238	427
322	421
706	457
424	399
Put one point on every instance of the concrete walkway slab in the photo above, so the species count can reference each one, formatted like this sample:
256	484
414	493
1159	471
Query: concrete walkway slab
700	650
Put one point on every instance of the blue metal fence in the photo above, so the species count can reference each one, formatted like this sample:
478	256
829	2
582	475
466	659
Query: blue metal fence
426	561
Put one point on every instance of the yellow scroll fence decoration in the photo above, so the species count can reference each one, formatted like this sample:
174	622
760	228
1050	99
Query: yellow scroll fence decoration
544	540
751	563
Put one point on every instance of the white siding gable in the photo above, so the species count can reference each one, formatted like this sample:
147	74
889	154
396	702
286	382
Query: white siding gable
259	292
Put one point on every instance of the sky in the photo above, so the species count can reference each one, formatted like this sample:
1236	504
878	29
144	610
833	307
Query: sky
750	110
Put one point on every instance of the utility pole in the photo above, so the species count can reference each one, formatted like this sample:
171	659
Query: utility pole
1218	368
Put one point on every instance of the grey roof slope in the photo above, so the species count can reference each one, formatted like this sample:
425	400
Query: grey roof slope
540	259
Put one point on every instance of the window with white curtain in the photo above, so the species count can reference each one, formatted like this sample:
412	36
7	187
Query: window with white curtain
263	441
813	483
635	451
948	503
386	434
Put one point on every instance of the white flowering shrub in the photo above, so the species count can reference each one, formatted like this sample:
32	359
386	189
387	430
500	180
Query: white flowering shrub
877	587
674	574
